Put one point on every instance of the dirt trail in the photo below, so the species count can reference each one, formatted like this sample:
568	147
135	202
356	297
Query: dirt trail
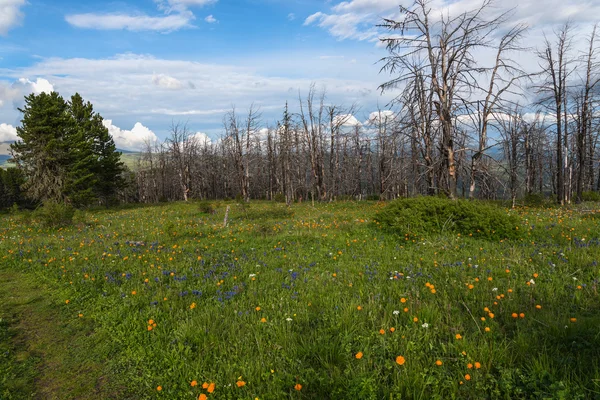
51	353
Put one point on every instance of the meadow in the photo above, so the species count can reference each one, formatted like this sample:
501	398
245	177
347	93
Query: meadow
306	302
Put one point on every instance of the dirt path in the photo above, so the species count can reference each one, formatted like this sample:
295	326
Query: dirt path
44	352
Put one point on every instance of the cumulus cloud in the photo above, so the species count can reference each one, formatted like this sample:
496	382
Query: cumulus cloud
8	133
40	85
167	82
202	138
135	139
10	15
210	19
347	120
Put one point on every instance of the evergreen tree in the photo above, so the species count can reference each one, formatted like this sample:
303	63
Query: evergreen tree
66	152
42	151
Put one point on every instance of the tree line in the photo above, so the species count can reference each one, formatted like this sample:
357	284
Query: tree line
461	125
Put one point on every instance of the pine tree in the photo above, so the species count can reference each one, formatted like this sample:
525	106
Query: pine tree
42	151
66	152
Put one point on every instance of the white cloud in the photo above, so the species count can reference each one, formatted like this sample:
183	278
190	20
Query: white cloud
210	19
355	19
10	14
202	138
135	139
383	116
134	23
7	93
167	82
8	133
176	16
291	16
347	120
41	85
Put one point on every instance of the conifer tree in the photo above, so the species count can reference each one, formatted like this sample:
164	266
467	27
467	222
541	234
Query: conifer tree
66	152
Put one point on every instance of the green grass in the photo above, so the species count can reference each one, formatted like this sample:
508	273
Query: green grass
326	280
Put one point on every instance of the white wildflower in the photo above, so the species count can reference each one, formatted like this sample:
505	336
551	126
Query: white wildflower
396	312
425	325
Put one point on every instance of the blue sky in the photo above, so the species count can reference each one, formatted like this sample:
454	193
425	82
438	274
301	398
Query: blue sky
147	63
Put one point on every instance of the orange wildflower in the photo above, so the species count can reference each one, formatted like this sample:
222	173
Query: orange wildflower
359	355
211	387
240	383
202	397
194	383
467	377
438	363
400	360
298	387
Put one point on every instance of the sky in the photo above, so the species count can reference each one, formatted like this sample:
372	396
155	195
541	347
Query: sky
146	64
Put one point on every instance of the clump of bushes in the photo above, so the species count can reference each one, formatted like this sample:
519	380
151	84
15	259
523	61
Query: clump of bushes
54	214
590	196
206	207
534	200
434	215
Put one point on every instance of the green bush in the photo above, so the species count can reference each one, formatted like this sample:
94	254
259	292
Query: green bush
590	196
434	215
54	215
279	198
206	207
534	199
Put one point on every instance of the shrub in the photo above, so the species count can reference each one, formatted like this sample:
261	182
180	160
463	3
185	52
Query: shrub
590	196
434	215
534	199
206	207
53	215
279	198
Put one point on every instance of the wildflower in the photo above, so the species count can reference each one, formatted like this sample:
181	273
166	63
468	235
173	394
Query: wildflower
150	322
415	319
403	300
67	301
288	319
514	315
240	384
211	387
400	360
263	320
194	383
192	306
477	365
298	387
150	327
202	397
438	363
381	331
204	385
467	377
133	292
396	312
522	315
458	336
359	308
469	366
405	309
487	329
359	355
573	319
392	329
159	388
257	308
425	325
